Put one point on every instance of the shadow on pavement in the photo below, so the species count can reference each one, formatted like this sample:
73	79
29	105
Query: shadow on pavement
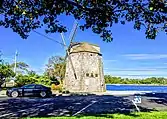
67	106
158	98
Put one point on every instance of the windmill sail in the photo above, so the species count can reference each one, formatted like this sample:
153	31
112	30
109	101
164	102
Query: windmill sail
67	49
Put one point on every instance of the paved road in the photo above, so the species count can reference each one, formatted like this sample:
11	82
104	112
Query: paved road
74	105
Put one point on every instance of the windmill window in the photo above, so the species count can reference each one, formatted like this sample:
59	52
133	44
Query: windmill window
87	74
96	75
91	74
91	55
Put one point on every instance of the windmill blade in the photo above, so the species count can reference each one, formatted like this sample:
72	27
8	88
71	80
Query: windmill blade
71	38
63	39
65	46
65	59
67	55
70	60
73	31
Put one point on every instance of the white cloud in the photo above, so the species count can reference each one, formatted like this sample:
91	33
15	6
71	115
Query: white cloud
137	69
145	56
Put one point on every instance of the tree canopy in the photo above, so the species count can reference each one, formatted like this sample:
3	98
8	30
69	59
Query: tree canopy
56	67
24	16
21	67
5	72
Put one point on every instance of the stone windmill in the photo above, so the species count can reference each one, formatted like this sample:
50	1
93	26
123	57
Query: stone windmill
84	67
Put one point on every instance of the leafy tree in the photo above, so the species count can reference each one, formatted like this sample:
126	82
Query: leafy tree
44	80
56	67
24	16
21	66
32	73
5	72
24	80
31	78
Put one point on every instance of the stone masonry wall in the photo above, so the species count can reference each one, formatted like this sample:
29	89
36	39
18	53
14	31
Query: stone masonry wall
89	72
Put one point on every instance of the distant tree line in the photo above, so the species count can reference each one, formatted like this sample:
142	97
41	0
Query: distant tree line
118	80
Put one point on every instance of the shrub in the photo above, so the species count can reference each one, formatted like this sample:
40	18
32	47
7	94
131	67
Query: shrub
24	80
56	87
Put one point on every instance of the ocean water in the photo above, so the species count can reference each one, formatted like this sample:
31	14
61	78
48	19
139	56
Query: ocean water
152	88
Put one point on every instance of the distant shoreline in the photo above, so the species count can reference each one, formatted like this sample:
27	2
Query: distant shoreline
140	84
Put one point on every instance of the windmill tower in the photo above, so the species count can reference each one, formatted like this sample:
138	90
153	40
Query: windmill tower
84	67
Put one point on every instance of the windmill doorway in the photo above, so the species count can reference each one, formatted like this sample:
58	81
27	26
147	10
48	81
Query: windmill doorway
90	85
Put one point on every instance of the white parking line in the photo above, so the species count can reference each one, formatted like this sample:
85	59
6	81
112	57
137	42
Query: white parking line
6	115
3	104
93	102
1	108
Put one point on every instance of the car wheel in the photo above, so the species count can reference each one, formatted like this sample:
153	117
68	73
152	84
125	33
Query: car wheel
43	94
14	94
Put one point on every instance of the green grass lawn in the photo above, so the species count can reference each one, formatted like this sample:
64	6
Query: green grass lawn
142	115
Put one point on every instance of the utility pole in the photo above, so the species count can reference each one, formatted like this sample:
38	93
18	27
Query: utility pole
15	61
1	55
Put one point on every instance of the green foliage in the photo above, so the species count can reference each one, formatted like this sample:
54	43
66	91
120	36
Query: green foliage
56	87
56	68
31	78
23	16
44	80
21	67
24	80
5	72
31	73
118	80
140	115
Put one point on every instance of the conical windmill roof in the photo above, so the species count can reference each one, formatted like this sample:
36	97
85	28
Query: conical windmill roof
85	47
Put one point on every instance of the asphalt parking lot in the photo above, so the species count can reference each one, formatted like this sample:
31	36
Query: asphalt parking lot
61	105
76	105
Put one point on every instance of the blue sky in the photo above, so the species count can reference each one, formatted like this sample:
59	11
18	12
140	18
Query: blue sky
130	54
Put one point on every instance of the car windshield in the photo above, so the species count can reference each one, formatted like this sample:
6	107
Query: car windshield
39	86
28	86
